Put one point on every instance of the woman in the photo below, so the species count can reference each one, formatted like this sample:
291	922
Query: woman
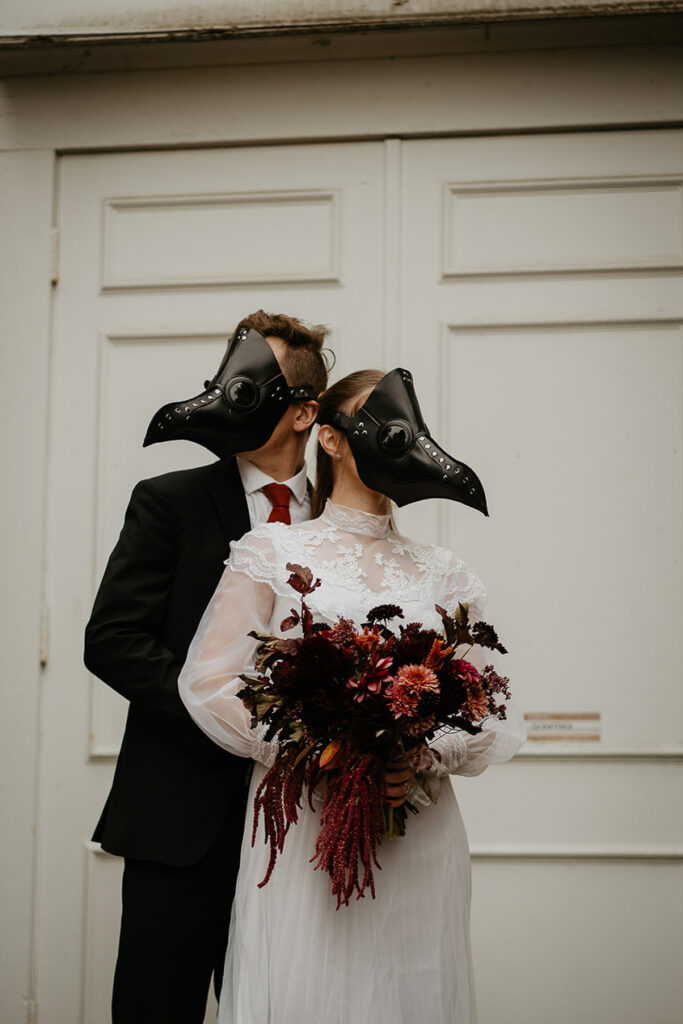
292	958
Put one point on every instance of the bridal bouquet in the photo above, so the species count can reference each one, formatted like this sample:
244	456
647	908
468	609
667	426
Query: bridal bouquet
345	704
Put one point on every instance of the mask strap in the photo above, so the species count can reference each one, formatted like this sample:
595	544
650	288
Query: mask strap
302	394
335	419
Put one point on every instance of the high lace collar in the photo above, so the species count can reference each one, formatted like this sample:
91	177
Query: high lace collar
354	520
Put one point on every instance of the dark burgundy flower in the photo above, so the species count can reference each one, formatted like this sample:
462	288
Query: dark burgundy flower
464	670
497	688
486	636
412	647
320	661
384	613
452	696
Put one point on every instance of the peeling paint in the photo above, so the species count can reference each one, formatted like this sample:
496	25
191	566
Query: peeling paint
52	22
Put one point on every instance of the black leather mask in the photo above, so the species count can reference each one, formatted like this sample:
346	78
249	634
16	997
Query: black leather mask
395	453
239	409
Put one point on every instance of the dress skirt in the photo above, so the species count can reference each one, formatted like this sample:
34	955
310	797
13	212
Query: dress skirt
400	958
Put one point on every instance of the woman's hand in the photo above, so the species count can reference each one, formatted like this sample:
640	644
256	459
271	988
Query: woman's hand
398	779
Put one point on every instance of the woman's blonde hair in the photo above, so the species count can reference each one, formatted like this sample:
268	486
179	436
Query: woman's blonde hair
346	396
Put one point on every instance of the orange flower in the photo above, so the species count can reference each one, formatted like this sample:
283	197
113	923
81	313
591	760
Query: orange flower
438	653
477	703
369	640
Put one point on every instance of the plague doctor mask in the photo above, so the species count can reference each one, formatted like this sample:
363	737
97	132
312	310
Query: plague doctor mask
239	408
396	455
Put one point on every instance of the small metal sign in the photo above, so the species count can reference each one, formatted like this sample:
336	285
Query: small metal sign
581	726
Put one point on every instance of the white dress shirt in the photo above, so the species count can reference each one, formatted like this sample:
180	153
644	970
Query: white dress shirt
253	481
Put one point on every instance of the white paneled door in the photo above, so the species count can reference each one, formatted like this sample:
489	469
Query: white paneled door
161	255
533	285
542	279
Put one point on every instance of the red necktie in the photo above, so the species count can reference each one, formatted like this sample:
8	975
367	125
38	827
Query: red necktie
278	495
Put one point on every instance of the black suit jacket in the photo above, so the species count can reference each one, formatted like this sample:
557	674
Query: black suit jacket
173	786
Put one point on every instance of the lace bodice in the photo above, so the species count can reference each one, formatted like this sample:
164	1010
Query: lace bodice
361	562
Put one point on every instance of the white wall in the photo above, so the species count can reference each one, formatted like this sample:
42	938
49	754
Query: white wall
480	92
26	183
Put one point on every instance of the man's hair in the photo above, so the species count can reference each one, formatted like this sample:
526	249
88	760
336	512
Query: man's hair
304	364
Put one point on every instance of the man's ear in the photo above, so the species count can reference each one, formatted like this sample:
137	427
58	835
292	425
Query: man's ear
305	415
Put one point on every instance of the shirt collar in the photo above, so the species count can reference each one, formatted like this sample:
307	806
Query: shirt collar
253	479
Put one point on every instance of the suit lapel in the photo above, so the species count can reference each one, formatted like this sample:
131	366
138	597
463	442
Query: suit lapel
224	485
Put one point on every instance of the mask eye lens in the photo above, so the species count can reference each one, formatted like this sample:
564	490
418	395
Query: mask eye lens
242	393
395	438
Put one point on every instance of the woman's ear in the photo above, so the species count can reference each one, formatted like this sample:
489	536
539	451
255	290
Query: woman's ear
329	440
305	415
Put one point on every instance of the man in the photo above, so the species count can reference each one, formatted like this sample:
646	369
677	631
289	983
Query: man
176	807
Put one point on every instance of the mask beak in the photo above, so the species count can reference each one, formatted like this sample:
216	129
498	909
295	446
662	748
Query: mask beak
452	478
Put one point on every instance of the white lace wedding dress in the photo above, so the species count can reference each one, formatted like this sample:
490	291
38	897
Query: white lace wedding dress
403	957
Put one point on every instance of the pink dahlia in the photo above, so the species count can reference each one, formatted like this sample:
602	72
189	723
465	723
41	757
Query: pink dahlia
417	678
402	701
372	680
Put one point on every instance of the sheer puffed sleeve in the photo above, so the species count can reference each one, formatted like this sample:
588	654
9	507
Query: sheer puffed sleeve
456	752
222	649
